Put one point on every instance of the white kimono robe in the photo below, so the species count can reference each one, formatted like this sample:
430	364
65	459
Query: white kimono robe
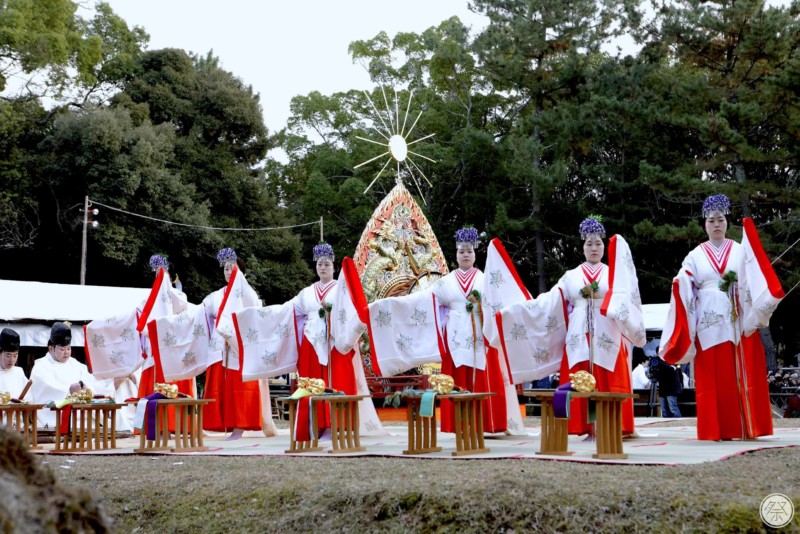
219	307
407	331
271	338
703	326
163	301
13	381
536	333
51	382
310	326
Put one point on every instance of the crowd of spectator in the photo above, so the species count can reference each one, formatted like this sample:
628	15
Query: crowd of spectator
784	389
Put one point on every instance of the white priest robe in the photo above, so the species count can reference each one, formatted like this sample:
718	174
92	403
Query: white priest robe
551	332
51	382
13	381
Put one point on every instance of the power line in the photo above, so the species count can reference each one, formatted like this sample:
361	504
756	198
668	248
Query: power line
94	202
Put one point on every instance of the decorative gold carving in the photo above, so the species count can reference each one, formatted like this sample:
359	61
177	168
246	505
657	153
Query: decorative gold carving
398	253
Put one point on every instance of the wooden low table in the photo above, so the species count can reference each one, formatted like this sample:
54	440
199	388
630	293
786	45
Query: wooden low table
345	434
468	408
188	426
20	417
92	427
421	430
608	424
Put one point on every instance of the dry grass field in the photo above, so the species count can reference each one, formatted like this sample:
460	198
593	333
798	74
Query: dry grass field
268	494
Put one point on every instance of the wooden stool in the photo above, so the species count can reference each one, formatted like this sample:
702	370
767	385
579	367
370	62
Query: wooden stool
608	424
554	431
295	446
345	434
421	430
22	418
469	422
188	426
92	427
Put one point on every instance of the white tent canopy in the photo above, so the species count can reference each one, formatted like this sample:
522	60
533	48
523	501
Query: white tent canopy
24	303
655	315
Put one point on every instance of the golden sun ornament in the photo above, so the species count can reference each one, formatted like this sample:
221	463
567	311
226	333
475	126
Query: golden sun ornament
396	141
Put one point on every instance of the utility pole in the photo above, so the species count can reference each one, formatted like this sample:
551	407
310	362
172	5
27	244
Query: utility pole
83	243
86	224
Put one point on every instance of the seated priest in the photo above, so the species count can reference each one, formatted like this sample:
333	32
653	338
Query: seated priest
57	374
12	378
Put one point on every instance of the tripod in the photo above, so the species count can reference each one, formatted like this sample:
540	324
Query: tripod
652	401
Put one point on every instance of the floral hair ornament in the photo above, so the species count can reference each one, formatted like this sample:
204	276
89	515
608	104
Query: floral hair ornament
157	261
323	251
716	204
468	236
226	256
592	226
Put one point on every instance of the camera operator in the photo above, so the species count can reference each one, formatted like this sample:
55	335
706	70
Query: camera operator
670	385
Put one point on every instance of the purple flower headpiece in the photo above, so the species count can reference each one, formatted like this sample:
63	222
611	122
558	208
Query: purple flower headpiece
592	226
157	261
716	203
468	235
323	250
226	256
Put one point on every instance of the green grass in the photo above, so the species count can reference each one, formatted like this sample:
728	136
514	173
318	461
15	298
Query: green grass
344	494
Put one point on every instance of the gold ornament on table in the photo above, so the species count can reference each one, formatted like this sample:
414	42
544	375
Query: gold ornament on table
170	391
5	398
441	384
583	381
308	386
83	396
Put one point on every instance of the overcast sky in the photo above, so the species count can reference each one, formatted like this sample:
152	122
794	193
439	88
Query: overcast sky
285	48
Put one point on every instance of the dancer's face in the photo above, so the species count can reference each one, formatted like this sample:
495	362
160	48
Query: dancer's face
465	257
716	226
227	270
593	249
325	270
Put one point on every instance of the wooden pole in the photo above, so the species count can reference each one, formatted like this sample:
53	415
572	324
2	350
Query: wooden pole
83	243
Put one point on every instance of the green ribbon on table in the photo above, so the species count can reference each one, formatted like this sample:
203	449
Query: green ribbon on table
427	403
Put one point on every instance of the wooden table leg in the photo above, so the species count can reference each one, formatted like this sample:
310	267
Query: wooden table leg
609	430
412	424
314	425
469	427
302	446
34	416
344	415
191	425
197	422
421	430
95	417
554	432
178	434
336	429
